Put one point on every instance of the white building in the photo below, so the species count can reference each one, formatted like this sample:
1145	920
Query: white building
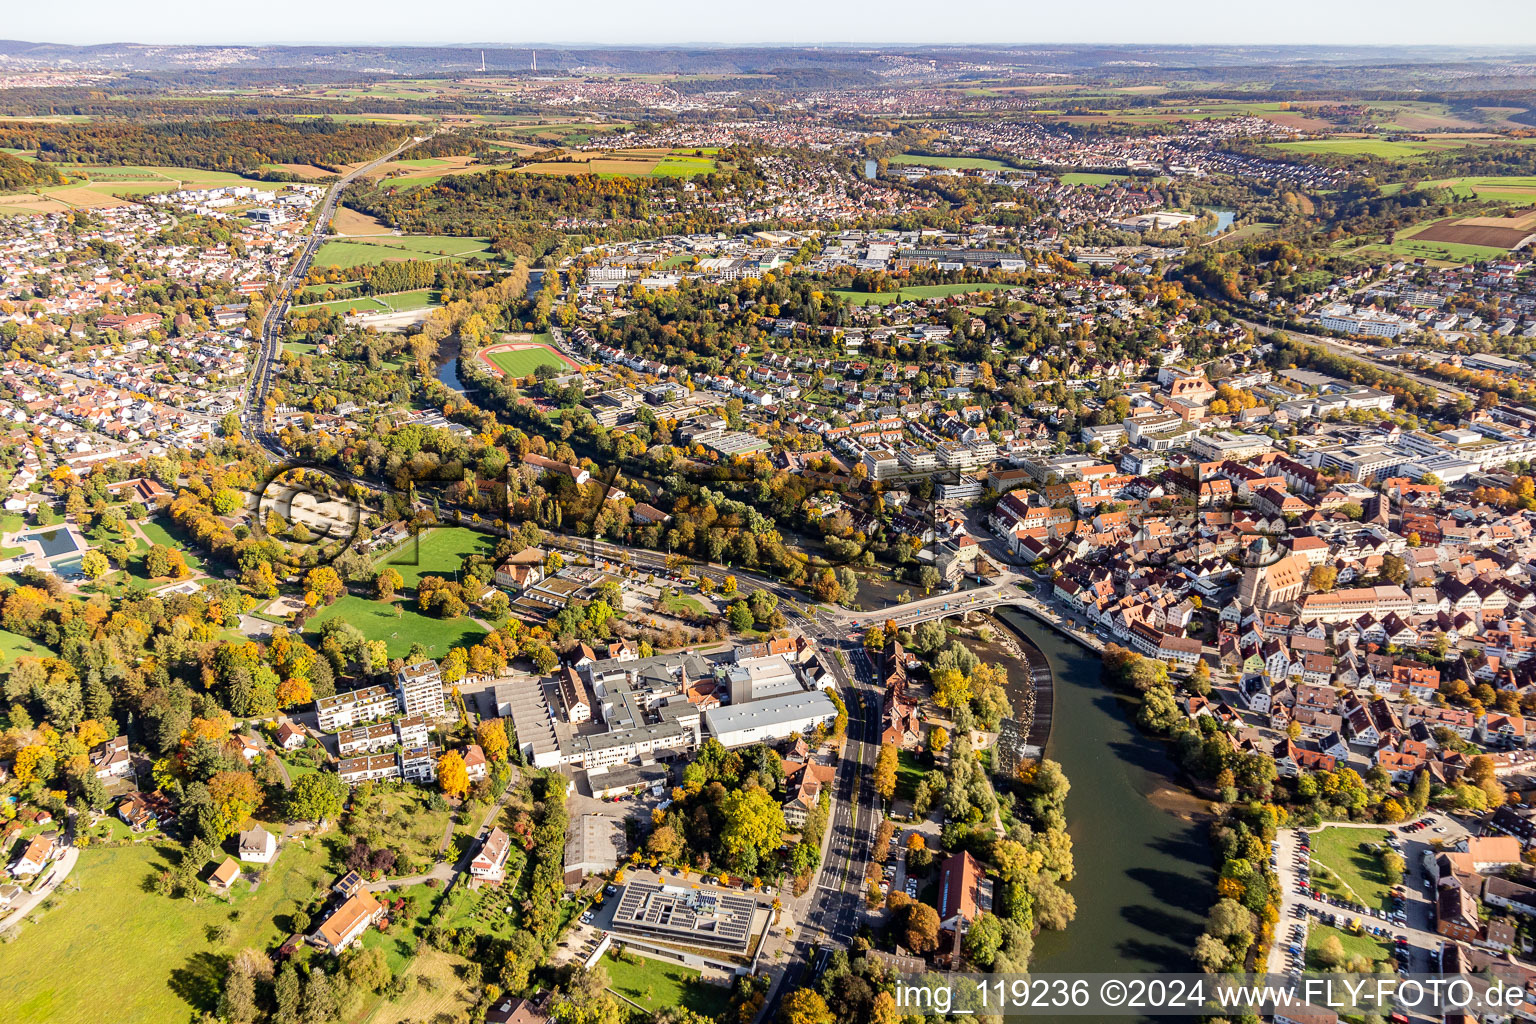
421	689
772	718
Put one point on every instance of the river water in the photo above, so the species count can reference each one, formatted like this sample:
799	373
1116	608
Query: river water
448	349
1144	881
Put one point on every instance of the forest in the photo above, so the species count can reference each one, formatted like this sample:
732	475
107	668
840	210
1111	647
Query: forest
219	145
16	174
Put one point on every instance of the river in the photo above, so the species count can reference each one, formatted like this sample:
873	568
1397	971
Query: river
1143	878
448	349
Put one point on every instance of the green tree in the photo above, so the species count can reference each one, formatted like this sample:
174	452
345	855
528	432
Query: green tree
94	564
752	826
316	796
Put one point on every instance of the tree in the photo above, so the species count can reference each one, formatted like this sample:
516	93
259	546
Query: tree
805	1006
938	739
94	564
452	775
1393	866
885	771
1211	953
983	939
928	577
235	797
388	583
316	796
325	583
492	736
237	1003
920	928
752	825
1323	577
951	689
740	617
1331	952
287	995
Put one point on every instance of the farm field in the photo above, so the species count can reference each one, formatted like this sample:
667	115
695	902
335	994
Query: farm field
96	186
654	984
1384	148
626	162
963	163
150	958
354	223
1511	189
439	554
921	291
1412	246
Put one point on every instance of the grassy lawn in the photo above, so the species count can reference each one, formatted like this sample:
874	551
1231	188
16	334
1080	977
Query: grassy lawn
355	253
1354	870
919	291
1354	945
14	645
379	621
678	604
361	304
439	992
406	823
909	772
436	552
1090	178
399	942
164	532
149	958
397	301
523	362
485	910
961	163
654	984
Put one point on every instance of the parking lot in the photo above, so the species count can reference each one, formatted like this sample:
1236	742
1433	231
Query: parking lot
1405	925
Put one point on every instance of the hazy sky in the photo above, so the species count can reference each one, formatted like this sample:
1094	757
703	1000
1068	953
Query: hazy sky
1502	23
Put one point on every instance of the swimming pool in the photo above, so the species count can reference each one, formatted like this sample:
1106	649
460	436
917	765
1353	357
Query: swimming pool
55	542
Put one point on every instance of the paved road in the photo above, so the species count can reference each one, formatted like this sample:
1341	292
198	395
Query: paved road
253	401
61	869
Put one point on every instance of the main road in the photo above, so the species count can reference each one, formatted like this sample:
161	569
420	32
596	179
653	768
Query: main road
254	400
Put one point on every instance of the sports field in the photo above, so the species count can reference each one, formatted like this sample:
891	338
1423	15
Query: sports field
357	252
522	358
919	291
392	302
439	553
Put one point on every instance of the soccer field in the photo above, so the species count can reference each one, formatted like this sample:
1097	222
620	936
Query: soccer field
438	554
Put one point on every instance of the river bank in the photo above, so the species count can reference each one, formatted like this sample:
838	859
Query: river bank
1143	878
